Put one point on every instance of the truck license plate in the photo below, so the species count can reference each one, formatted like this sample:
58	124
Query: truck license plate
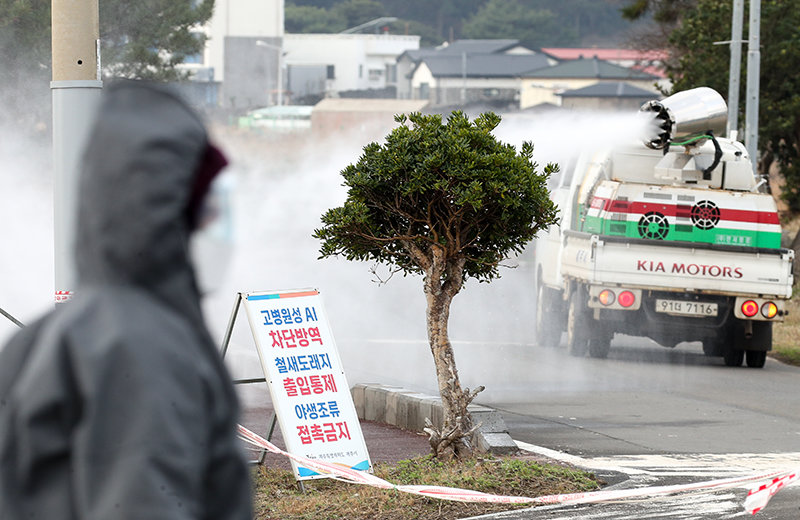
682	308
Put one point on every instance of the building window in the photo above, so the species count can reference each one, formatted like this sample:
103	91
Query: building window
375	74
360	71
330	72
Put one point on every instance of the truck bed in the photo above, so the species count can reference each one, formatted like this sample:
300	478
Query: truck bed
677	266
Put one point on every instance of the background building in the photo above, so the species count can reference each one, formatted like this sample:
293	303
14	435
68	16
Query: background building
544	85
612	96
244	51
344	65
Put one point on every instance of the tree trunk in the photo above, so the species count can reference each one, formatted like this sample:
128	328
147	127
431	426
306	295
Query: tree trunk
453	437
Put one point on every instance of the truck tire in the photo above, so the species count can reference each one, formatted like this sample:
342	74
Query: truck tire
548	317
713	347
733	357
600	343
577	325
756	358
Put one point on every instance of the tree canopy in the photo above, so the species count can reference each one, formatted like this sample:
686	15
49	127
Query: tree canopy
449	201
448	186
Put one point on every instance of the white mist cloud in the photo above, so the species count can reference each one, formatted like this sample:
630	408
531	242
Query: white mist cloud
283	190
560	135
26	217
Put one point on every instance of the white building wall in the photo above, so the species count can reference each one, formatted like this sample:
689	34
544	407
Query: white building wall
422	76
244	18
359	60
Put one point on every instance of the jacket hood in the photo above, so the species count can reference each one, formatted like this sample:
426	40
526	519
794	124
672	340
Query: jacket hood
135	192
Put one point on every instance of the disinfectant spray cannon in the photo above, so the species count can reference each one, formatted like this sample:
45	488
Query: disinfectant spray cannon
687	127
695	113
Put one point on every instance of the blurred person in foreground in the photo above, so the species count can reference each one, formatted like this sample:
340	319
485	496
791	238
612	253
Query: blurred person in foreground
117	405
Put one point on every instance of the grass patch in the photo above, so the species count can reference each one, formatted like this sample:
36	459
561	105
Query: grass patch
786	335
277	495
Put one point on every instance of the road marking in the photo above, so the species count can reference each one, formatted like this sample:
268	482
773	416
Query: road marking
680	465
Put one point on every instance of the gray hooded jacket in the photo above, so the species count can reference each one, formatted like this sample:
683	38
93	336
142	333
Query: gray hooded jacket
117	404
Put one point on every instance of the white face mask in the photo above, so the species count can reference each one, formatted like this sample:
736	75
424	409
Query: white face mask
211	245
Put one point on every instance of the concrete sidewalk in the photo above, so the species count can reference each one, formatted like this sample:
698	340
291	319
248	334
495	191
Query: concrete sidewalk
392	419
385	443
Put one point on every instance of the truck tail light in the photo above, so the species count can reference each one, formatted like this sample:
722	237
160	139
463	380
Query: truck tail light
626	299
606	297
750	308
769	310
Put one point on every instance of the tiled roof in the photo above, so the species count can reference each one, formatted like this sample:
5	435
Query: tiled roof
485	65
588	68
478	46
459	47
563	53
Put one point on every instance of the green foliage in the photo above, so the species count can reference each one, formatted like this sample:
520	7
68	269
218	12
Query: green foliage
431	20
513	19
143	39
445	187
24	32
356	12
542	23
276	494
330	17
310	19
500	476
665	12
25	73
702	63
571	22
148	38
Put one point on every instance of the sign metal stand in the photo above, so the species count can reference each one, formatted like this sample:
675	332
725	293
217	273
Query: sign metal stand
226	340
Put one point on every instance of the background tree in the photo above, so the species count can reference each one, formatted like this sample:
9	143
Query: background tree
448	201
574	22
147	39
310	19
25	72
513	19
356	12
143	39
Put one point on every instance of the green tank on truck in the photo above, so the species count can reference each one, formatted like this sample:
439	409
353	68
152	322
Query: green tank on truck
673	238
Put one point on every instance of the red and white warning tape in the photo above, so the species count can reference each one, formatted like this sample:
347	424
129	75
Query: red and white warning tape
756	500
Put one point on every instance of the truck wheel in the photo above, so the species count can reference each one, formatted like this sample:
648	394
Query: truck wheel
548	322
577	325
600	344
733	357
713	347
756	358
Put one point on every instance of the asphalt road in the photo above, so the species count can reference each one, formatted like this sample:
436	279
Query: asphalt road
646	416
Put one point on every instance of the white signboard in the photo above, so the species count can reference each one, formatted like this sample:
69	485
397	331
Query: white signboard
306	380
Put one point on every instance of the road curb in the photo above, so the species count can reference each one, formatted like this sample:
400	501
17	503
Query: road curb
408	409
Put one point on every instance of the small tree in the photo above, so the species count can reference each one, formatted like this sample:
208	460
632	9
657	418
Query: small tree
450	202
